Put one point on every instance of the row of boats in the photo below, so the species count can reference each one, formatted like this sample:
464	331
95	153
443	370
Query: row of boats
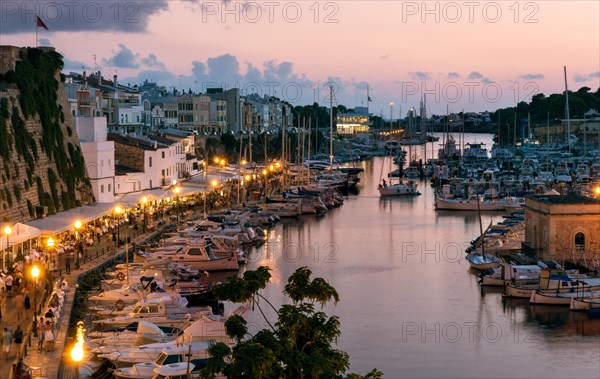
155	316
497	258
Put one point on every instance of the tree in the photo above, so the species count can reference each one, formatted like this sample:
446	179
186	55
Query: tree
298	345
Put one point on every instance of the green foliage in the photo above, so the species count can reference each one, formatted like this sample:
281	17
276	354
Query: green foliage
30	208
10	77
299	345
17	192
35	75
8	197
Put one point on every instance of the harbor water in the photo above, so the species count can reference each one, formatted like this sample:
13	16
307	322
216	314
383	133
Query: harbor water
409	305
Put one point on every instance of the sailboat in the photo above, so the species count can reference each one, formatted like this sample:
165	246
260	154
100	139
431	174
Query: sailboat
403	186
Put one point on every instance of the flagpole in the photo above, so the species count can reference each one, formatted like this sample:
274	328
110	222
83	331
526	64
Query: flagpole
36	36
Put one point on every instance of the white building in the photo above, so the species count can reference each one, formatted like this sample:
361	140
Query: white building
99	155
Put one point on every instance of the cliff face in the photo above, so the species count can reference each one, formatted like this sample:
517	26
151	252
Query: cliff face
41	165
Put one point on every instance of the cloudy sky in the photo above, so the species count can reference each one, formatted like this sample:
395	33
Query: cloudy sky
463	55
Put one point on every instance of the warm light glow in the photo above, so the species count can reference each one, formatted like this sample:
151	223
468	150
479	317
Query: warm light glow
174	181
264	172
77	352
217	160
271	168
144	199
7	230
597	190
243	162
177	190
50	242
222	162
35	271
277	164
248	177
77	224
214	183
118	210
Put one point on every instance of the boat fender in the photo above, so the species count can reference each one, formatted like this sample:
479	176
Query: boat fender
120	305
121	276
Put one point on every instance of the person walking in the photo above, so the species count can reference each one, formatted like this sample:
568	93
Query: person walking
8	282
6	340
68	264
41	329
27	300
18	338
19	301
49	338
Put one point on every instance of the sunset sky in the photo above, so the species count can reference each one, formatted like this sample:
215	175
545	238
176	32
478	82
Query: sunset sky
465	55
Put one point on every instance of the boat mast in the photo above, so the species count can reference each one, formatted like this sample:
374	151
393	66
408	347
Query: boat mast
567	111
330	128
308	168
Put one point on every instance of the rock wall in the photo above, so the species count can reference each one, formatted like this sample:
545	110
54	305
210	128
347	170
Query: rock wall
41	165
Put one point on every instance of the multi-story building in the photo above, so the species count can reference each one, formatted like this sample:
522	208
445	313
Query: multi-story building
355	122
201	113
234	107
99	155
218	115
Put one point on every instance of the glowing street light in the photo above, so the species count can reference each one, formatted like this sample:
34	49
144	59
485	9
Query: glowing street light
35	272
7	231
78	242
50	242
144	201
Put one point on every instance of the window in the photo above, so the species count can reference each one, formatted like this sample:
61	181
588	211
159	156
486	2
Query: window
101	162
580	243
102	188
194	251
109	187
163	155
150	162
150	183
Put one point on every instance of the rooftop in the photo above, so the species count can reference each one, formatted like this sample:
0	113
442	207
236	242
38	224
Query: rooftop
568	199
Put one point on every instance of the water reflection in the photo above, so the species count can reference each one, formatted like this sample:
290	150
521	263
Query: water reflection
410	305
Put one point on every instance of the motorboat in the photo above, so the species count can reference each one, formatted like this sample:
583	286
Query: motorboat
470	204
196	255
168	356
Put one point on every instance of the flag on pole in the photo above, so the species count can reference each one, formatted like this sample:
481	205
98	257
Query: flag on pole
369	99
39	23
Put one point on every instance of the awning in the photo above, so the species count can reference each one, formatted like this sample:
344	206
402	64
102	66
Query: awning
20	233
132	199
63	221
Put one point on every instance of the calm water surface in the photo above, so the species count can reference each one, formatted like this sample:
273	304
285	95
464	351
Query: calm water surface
409	304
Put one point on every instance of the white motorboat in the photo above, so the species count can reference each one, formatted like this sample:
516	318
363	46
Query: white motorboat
402	188
173	371
515	274
121	297
470	204
168	356
196	255
482	262
165	309
146	333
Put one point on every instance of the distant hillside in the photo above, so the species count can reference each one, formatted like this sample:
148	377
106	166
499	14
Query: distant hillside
42	168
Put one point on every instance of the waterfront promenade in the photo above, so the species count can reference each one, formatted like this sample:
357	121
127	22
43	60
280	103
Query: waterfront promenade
48	364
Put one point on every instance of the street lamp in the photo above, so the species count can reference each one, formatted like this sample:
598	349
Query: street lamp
177	190
118	211
213	184
222	166
391	116
144	201
35	272
264	172
50	245
7	231
77	243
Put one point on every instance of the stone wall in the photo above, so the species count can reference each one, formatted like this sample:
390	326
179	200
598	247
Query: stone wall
20	194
